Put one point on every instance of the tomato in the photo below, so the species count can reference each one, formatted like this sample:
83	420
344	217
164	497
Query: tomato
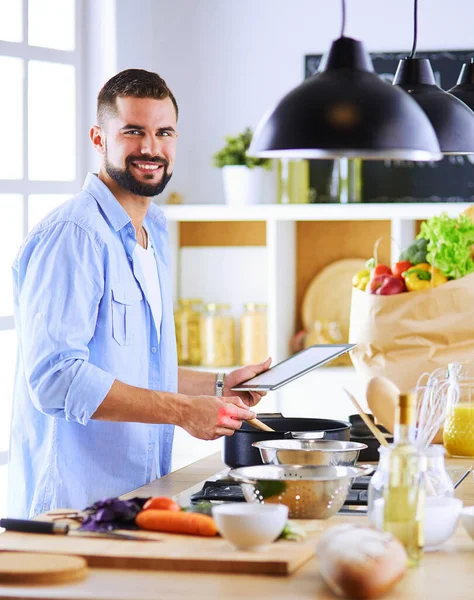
162	503
400	267
381	270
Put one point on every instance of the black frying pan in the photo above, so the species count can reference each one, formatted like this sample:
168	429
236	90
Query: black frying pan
239	452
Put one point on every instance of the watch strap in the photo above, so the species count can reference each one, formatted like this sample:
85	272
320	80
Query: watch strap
220	377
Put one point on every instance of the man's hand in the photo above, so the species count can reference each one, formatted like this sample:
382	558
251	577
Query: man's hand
208	417
240	375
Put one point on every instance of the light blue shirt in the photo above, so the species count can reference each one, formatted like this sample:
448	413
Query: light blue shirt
83	320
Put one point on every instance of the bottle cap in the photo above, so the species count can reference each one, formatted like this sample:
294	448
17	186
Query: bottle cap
407	399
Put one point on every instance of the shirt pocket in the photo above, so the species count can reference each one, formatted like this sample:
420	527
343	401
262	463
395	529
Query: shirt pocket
126	312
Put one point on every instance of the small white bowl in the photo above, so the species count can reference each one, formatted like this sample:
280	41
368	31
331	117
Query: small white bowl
440	520
250	526
467	517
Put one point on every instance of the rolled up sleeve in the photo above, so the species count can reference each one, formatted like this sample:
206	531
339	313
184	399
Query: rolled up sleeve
59	276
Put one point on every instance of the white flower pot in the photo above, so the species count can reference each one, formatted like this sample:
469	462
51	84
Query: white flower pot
244	186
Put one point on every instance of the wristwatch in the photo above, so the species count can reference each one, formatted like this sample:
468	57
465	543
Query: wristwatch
220	384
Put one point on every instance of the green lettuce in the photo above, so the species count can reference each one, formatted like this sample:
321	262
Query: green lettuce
449	244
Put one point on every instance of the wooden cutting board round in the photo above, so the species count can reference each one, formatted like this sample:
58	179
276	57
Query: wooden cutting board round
34	568
328	296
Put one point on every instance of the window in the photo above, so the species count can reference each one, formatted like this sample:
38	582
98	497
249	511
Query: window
40	165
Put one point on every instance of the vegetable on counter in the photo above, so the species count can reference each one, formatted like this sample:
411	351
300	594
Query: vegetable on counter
111	513
176	522
161	503
423	277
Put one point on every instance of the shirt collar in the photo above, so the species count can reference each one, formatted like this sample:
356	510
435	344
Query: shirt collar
116	215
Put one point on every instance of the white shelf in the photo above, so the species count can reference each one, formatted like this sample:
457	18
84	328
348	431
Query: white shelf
237	274
311	212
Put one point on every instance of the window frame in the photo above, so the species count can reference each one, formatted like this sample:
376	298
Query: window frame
25	186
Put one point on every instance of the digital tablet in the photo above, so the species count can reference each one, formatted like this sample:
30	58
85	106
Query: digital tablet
294	367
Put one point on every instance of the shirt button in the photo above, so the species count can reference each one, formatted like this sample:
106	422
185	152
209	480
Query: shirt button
153	349
150	447
130	258
129	230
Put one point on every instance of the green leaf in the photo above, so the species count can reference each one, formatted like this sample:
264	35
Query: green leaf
269	488
448	244
235	153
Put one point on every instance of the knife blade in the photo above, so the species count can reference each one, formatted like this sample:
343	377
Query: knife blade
50	527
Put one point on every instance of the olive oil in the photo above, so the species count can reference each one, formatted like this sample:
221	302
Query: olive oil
403	496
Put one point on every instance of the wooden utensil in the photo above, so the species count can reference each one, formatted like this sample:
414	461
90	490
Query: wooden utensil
33	568
374	430
382	398
259	425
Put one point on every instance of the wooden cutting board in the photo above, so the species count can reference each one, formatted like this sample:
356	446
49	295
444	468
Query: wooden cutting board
173	553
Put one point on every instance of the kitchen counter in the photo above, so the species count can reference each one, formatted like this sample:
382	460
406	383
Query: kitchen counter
443	574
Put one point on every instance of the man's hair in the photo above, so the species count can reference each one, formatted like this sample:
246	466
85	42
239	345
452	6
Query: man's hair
136	83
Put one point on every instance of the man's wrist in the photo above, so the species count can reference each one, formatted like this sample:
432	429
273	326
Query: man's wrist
219	388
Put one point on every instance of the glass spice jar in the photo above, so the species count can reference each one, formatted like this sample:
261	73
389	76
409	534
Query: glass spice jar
188	334
217	336
253	334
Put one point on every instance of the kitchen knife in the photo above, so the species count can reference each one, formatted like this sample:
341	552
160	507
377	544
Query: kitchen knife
27	526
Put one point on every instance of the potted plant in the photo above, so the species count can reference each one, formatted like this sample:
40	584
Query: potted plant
247	180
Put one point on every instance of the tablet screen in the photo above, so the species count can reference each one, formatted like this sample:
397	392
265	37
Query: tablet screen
294	367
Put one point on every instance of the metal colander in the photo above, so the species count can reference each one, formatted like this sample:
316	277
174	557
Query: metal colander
310	492
309	452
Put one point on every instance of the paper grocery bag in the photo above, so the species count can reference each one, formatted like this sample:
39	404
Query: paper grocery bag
404	335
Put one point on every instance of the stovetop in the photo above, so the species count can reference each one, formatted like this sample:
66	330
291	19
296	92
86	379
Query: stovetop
227	490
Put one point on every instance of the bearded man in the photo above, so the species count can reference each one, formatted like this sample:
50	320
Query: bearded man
98	390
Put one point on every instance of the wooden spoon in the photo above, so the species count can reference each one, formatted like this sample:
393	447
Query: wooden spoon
382	399
372	428
259	425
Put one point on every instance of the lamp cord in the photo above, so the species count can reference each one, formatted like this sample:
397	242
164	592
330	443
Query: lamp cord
415	32
343	2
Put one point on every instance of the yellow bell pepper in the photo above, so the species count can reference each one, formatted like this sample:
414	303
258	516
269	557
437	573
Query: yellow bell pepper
361	279
419	277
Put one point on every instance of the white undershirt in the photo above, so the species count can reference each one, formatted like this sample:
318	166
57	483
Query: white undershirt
146	257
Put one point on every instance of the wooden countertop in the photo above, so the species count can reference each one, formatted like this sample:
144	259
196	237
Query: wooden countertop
445	574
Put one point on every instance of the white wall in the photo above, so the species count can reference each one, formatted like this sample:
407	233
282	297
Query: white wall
227	61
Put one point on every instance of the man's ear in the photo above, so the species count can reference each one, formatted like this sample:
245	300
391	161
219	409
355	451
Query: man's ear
97	136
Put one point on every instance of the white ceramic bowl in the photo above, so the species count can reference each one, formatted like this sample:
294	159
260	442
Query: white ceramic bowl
467	516
250	526
440	520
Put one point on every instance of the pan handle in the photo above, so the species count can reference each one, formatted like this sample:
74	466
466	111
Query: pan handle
306	435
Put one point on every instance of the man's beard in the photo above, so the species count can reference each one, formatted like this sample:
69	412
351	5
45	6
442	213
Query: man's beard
126	179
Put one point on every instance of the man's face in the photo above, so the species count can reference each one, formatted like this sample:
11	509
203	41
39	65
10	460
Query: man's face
140	144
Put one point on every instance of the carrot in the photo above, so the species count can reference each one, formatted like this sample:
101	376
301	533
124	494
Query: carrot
176	522
161	503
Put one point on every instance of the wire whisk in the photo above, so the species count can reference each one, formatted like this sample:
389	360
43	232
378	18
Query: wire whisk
432	398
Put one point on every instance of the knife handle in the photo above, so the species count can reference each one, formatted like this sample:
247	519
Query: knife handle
27	526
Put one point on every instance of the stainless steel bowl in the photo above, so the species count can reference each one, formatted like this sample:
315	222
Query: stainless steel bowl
310	492
309	452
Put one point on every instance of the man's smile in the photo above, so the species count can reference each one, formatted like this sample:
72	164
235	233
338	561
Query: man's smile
147	167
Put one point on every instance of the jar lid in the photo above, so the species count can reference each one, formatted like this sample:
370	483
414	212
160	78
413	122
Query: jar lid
188	301
255	306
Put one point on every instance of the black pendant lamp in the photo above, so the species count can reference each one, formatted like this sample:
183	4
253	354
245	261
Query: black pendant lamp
346	110
464	88
452	120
